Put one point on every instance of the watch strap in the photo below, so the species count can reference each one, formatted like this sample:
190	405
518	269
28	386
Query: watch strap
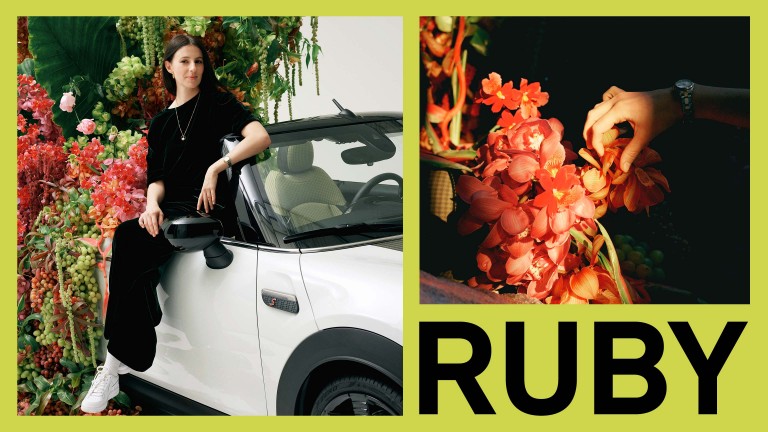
684	92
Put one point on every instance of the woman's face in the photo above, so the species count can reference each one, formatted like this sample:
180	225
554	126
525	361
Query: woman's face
186	66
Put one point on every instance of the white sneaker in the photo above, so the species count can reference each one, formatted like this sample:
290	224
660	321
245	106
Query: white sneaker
104	387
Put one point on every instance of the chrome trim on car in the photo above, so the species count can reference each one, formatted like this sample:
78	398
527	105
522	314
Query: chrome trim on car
238	243
351	245
394	244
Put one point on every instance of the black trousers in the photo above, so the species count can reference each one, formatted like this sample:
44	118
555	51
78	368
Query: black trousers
132	310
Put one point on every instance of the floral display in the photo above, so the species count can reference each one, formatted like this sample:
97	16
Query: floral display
534	199
81	169
542	209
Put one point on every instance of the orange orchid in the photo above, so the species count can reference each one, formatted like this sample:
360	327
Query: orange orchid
531	97
536	146
642	186
498	95
532	132
609	186
540	210
563	199
509	121
491	262
491	203
582	286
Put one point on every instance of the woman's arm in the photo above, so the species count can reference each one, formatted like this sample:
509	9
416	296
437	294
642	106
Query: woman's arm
255	140
652	112
153	216
725	105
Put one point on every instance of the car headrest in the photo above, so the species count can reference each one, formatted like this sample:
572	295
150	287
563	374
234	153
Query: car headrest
296	158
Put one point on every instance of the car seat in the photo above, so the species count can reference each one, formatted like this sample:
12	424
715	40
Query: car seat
299	191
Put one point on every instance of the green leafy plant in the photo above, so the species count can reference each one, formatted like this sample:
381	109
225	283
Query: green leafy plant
24	327
90	49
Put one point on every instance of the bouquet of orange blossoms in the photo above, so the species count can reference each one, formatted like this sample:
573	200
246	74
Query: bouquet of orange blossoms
543	210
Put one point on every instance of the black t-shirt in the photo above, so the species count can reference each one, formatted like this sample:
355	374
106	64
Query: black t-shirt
182	165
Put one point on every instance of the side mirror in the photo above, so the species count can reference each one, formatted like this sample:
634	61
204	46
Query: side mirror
194	233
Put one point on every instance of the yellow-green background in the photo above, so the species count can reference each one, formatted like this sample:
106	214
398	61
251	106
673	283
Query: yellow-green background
741	384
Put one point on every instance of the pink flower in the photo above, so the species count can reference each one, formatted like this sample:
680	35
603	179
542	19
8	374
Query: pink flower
87	126
67	102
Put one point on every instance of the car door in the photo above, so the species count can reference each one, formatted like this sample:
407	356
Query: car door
208	339
284	313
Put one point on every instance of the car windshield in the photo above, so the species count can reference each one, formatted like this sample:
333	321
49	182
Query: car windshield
333	185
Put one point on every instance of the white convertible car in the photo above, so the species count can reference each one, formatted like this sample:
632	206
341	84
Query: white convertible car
300	314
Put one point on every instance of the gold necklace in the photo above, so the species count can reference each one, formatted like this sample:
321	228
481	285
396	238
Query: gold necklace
184	132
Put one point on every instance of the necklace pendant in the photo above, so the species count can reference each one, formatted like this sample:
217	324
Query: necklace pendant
178	122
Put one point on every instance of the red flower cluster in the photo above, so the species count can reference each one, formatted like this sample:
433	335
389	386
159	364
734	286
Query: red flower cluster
138	153
38	168
33	98
84	165
528	98
119	195
540	208
40	162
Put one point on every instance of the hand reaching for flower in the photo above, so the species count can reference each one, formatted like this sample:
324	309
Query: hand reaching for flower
649	114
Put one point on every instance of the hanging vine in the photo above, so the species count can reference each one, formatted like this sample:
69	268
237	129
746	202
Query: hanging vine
291	90
315	51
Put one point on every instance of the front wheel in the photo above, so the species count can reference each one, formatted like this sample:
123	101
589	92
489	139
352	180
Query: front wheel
357	395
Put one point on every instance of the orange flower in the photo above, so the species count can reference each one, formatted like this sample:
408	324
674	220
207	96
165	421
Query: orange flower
609	186
530	97
491	262
562	201
509	121
641	187
497	95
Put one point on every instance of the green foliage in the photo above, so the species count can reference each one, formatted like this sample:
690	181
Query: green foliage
66	47
45	391
121	82
27	67
255	48
196	25
24	327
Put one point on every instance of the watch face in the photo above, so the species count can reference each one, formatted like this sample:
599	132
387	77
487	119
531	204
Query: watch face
683	84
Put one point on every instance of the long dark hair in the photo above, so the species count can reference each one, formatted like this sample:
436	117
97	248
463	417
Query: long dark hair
209	82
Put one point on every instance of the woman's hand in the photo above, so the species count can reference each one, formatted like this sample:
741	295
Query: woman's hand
207	197
255	140
151	219
649	114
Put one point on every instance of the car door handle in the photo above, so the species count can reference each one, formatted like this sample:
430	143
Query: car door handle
281	301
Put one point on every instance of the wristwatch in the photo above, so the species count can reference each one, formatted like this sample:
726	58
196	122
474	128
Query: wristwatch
228	161
683	90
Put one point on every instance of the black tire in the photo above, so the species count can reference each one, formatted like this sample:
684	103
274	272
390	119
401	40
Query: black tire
357	395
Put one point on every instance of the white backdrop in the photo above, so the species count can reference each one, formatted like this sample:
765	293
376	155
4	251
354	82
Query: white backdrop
361	66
